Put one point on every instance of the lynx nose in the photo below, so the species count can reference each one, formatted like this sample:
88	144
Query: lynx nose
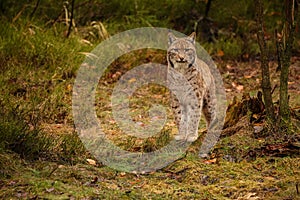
181	58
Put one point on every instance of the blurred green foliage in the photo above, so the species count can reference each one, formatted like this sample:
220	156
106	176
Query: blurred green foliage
232	23
38	62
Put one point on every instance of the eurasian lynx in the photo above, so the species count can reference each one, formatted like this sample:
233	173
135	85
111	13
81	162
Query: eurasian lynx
181	56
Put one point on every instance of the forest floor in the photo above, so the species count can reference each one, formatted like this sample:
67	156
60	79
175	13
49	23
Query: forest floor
244	165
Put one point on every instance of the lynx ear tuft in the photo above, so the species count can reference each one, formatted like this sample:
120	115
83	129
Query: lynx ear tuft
171	37
192	37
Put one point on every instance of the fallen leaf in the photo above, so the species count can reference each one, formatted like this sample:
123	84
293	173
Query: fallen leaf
12	183
255	116
132	80
112	121
220	53
116	75
122	174
212	161
246	56
50	190
229	66
86	42
22	195
91	161
69	87
250	196
258	129
239	87
269	178
140	124
95	179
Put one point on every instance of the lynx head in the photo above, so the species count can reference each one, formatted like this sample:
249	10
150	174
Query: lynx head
181	52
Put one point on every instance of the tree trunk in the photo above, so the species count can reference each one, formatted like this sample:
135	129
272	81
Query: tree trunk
286	44
266	83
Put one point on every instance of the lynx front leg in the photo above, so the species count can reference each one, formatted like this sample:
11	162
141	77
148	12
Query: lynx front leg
193	117
187	116
179	117
182	124
213	131
185	124
187	120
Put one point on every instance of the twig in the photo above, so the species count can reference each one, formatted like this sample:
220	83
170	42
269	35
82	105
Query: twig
52	22
296	108
279	50
19	13
53	170
207	8
71	18
275	86
35	8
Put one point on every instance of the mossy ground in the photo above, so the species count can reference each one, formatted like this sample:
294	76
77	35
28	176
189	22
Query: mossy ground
188	178
37	74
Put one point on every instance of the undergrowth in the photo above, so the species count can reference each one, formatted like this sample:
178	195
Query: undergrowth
37	70
32	143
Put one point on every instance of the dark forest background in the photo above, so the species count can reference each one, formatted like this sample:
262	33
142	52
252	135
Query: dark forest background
44	42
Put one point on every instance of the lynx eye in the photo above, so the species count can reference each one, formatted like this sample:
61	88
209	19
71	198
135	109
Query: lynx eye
188	50
174	50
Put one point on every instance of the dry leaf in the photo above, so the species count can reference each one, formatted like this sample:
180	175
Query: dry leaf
112	121
50	190
229	66
140	124
91	161
258	129
86	42
220	53
132	80
122	174
212	161
239	87
249	196
116	75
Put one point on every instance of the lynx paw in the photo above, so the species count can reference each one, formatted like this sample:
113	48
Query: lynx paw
188	139
192	138
179	137
203	155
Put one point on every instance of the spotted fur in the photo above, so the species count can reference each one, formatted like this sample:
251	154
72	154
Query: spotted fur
181	56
